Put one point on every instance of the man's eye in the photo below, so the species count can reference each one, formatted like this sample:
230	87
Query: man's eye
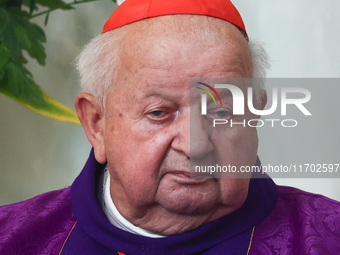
222	114
157	113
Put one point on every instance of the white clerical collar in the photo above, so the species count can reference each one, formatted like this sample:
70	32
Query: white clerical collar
114	215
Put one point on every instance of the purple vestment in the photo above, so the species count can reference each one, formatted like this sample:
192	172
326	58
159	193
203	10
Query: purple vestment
71	221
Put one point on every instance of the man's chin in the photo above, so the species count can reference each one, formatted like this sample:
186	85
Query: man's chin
189	199
190	210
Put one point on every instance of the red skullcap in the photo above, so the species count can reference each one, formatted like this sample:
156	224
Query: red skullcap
135	10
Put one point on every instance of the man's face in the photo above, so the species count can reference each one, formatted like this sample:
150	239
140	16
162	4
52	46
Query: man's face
147	129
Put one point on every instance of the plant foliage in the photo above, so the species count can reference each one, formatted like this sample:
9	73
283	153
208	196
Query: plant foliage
18	34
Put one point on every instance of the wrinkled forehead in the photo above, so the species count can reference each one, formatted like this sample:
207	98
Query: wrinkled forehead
180	33
183	28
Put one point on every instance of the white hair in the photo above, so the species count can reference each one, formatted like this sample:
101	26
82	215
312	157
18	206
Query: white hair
98	65
260	62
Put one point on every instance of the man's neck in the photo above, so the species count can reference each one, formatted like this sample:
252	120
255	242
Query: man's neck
114	215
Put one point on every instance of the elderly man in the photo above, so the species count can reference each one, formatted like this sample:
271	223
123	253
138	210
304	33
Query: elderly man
135	194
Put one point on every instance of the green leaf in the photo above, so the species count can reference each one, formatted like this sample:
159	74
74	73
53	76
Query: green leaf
18	85
7	34
3	19
14	3
32	5
17	34
2	74
4	55
50	4
46	18
28	3
55	4
2	2
21	60
35	36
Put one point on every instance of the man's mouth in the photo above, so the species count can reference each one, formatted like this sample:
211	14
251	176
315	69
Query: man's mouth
188	177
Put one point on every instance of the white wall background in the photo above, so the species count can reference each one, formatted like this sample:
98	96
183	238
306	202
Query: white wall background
38	154
302	39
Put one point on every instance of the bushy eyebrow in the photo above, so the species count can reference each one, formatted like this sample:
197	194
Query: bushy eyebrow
166	96
153	94
224	92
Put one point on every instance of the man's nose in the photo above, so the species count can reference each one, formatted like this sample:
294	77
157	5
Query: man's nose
181	141
191	137
200	144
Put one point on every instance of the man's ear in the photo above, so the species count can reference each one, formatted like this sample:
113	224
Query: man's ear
91	117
